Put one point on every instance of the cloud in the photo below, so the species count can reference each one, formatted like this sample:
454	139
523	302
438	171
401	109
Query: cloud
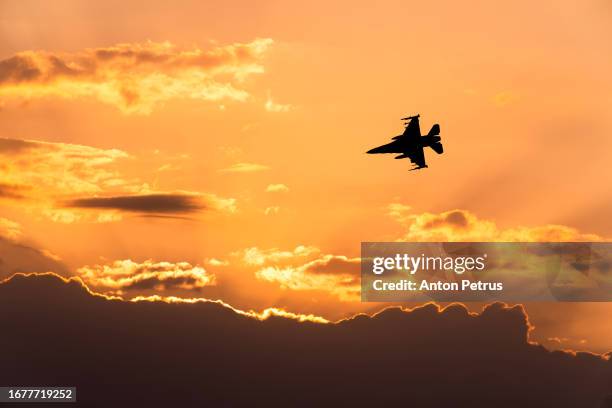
279	355
339	275
335	274
124	275
505	98
272	106
277	188
9	229
305	268
135	77
13	191
168	167
256	256
69	183
244	168
17	256
217	262
159	203
148	203
264	315
34	168
272	210
462	225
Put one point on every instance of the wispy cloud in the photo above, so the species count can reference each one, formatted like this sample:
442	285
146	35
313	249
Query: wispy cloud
257	256
13	191
124	275
305	268
244	168
70	183
135	77
271	106
9	229
336	274
32	167
273	210
277	188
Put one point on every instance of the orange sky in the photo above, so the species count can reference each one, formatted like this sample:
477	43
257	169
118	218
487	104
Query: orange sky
258	116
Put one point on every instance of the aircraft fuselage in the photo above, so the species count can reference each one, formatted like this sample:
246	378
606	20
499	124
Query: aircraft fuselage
399	146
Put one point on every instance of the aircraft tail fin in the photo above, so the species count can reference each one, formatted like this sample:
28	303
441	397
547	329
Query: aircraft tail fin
435	130
437	147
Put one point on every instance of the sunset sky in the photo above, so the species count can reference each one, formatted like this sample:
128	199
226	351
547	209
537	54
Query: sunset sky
217	149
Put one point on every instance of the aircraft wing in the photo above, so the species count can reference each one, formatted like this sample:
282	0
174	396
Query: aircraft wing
412	132
418	157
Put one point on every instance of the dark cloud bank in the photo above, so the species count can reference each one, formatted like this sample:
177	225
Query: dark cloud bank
150	203
153	354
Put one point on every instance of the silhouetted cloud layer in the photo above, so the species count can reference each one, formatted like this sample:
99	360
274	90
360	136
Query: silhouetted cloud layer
136	76
155	354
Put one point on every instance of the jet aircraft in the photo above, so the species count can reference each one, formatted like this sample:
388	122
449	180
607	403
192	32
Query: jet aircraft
410	144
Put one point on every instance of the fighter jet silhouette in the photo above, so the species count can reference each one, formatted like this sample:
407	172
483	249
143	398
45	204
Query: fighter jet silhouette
410	143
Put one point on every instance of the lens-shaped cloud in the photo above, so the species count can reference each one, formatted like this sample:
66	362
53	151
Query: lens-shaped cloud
158	203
